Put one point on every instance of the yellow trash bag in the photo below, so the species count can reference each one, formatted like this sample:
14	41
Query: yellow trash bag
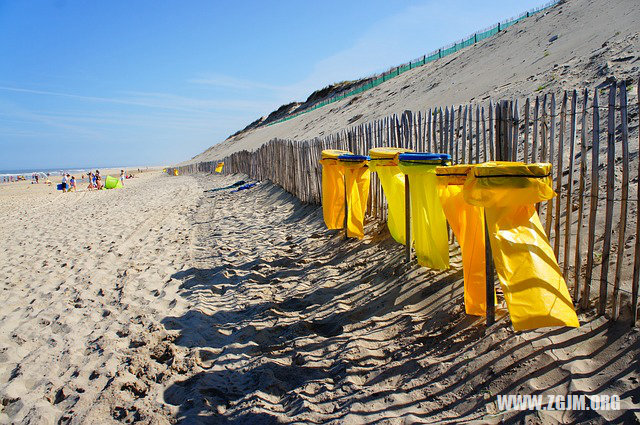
428	222
357	177
384	161
219	167
332	188
536	294
467	223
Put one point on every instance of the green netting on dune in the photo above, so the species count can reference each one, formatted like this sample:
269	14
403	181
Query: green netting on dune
440	53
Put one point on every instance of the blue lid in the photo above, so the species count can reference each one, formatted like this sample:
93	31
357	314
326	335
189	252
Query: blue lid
350	157
424	156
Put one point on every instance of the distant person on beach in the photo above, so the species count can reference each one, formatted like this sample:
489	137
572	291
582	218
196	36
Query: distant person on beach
122	177
73	184
37	179
90	178
98	180
64	183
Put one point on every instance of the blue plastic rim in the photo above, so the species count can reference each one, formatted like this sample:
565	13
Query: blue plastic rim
354	158
424	156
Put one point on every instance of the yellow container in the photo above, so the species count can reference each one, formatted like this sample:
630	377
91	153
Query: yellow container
533	286
467	223
332	188
427	217
384	162
357	177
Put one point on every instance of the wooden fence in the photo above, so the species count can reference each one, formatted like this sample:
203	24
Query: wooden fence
566	131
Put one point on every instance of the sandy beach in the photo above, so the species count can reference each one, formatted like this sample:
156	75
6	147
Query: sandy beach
167	302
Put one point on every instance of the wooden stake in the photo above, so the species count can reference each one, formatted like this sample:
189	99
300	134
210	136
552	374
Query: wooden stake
593	209
488	257
608	215
567	223
407	219
636	259
526	130
549	216
622	227
559	170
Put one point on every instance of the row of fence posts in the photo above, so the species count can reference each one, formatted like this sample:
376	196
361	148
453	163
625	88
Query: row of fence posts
508	130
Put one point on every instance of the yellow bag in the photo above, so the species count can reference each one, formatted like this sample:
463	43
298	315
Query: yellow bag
536	294
332	188
467	223
219	167
357	176
428	222
384	161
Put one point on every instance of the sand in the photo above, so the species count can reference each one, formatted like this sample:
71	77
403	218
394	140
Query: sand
80	274
596	40
165	302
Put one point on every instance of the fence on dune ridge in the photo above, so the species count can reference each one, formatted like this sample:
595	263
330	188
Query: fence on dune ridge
442	52
580	133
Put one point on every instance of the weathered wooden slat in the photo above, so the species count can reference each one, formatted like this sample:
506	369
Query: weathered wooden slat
516	131
470	133
492	142
622	226
477	134
435	130
441	136
464	136
507	116
489	276
457	151
552	126
526	130
636	258
559	172
407	220
429	117
484	137
608	215
593	209
451	131
534	144
569	207
445	149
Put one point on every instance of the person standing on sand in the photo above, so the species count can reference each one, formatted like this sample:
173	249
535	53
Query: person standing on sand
98	180
64	183
122	177
73	184
90	178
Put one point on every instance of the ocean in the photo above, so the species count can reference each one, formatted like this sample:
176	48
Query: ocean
28	172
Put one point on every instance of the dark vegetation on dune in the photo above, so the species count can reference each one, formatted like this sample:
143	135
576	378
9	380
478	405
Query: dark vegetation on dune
295	107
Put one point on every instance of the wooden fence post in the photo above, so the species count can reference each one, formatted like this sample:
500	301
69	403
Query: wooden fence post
489	277
559	171
567	224
593	209
623	198
407	219
581	189
636	260
608	216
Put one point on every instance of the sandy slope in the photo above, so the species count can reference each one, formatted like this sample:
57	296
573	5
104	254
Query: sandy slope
596	40
164	302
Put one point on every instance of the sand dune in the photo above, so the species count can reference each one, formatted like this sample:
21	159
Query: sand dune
576	44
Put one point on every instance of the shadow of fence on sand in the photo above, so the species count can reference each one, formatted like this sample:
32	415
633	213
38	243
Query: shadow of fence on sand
323	329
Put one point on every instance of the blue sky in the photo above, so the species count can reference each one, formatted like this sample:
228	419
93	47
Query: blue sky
100	83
